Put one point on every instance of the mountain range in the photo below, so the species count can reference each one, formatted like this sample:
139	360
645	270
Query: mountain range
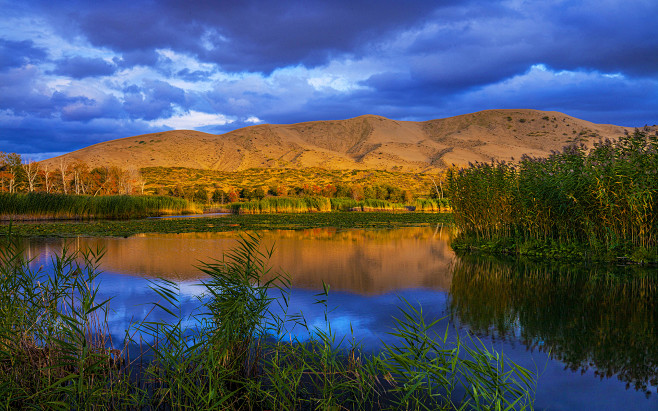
364	142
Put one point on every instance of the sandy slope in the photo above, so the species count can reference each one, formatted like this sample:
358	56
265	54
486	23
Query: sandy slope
363	142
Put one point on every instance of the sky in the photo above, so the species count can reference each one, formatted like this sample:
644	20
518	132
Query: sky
76	73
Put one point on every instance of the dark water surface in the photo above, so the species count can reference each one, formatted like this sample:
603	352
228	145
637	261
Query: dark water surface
591	331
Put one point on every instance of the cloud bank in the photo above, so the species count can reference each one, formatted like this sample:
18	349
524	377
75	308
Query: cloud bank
76	73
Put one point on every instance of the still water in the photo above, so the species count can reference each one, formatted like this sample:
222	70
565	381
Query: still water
590	331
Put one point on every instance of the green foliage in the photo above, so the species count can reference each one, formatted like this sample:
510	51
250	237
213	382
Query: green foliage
603	199
53	351
379	184
432	204
428	368
239	356
369	204
63	206
283	205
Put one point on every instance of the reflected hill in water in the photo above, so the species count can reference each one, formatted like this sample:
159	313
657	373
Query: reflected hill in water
360	261
603	318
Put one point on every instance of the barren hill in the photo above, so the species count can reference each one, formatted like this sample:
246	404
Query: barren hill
365	142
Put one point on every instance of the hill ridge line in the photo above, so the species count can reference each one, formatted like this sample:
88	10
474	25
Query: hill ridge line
368	141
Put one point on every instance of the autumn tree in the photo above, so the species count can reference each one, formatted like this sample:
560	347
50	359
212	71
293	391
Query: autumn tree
12	165
329	190
63	167
4	172
219	196
281	190
356	192
81	176
47	178
31	170
232	196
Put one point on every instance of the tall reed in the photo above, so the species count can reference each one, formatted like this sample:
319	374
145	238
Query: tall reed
239	353
603	199
432	204
370	204
53	347
63	206
283	205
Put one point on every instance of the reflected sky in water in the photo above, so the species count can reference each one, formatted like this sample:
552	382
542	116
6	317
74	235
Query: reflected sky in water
369	271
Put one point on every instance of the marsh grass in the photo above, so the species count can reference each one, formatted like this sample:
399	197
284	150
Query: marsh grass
239	354
370	204
272	205
231	222
432	204
34	206
601	201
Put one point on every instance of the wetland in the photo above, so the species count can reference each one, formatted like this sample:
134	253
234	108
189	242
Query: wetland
588	330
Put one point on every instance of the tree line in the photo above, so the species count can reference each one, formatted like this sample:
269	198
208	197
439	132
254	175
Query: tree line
77	177
222	195
68	177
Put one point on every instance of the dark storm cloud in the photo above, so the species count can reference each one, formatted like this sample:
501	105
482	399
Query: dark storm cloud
19	92
487	41
81	67
245	35
36	135
276	60
19	53
615	37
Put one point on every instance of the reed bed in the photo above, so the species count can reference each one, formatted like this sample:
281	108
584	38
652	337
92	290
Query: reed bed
38	206
273	205
432	204
283	205
240	355
369	204
602	200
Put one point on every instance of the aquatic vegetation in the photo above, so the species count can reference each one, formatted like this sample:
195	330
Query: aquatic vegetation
239	354
231	222
283	205
370	204
36	206
432	204
602	200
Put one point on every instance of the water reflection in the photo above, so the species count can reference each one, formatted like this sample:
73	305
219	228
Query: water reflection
597	321
361	261
603	318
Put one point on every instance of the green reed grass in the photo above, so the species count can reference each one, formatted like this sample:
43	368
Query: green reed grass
63	206
432	204
241	354
283	205
603	199
271	205
370	204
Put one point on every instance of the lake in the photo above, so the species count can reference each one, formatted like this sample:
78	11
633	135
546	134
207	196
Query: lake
591	331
